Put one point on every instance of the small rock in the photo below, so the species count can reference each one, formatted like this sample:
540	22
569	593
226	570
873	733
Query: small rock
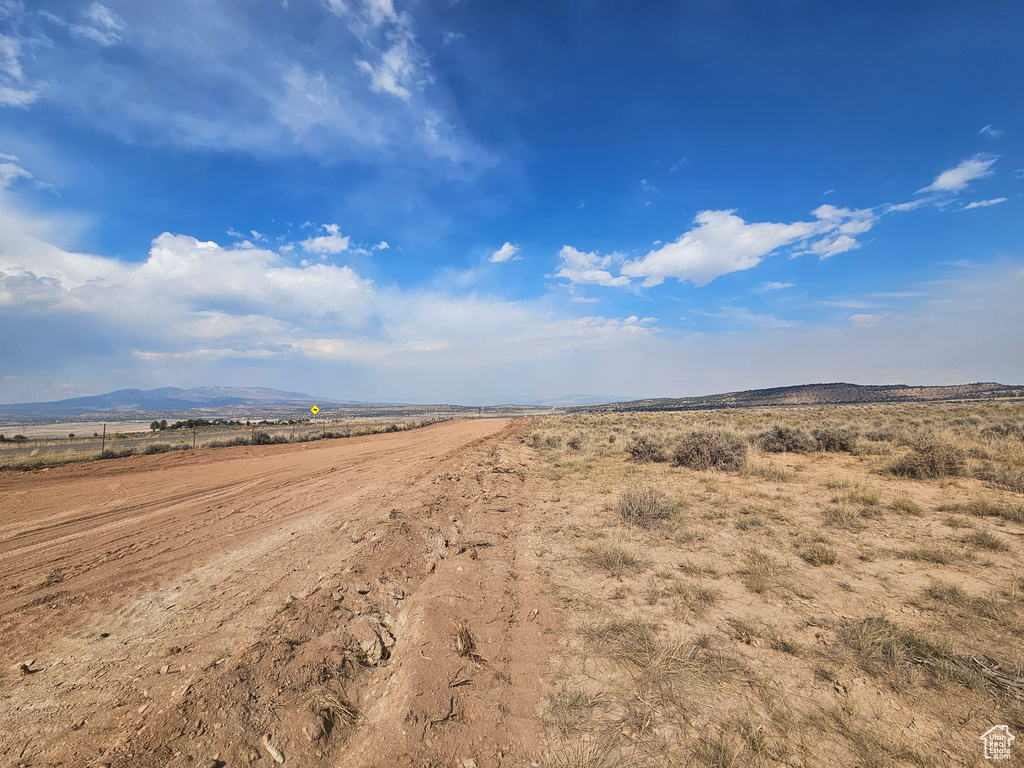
272	750
363	588
469	762
166	668
431	565
291	598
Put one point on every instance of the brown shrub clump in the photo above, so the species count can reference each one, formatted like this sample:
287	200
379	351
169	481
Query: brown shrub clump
645	447
711	449
835	439
931	459
783	438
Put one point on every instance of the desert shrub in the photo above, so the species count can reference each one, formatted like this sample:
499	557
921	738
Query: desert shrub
577	441
1005	429
783	438
929	459
545	440
116	453
646	447
149	450
711	449
259	437
1000	475
835	439
228	443
643	506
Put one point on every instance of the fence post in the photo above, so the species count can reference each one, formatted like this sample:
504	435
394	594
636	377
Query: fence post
103	445
194	430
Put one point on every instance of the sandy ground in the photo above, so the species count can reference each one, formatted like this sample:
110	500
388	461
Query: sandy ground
177	609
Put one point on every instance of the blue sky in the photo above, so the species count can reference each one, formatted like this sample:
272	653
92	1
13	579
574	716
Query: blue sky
461	201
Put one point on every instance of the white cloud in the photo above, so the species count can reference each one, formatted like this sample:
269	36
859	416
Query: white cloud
773	286
14	92
580	267
991	132
10	170
869	320
331	243
381	246
720	243
507	252
101	25
984	203
957	178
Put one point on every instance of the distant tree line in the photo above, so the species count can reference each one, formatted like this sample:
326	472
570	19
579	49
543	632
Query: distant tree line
194	423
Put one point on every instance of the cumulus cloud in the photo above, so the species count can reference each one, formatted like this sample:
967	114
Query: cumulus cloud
984	203
381	246
957	178
331	243
507	252
580	267
721	242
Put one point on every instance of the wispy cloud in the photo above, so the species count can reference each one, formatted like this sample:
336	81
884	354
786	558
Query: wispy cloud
991	132
743	316
100	25
960	176
984	203
772	286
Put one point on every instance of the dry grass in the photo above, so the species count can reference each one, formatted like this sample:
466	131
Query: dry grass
613	556
643	506
693	655
819	554
761	572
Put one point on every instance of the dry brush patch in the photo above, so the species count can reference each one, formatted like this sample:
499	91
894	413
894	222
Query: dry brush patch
892	612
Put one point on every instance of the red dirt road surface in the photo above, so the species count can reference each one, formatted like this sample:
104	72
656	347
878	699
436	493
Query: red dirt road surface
234	606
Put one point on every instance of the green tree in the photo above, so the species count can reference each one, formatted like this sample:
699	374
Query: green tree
154	425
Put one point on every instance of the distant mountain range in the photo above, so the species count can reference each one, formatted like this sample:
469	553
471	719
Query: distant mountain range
171	399
204	401
818	394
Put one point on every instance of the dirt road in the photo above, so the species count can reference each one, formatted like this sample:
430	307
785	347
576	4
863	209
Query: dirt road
178	608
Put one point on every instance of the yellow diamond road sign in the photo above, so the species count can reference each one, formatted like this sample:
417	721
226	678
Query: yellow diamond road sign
315	410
